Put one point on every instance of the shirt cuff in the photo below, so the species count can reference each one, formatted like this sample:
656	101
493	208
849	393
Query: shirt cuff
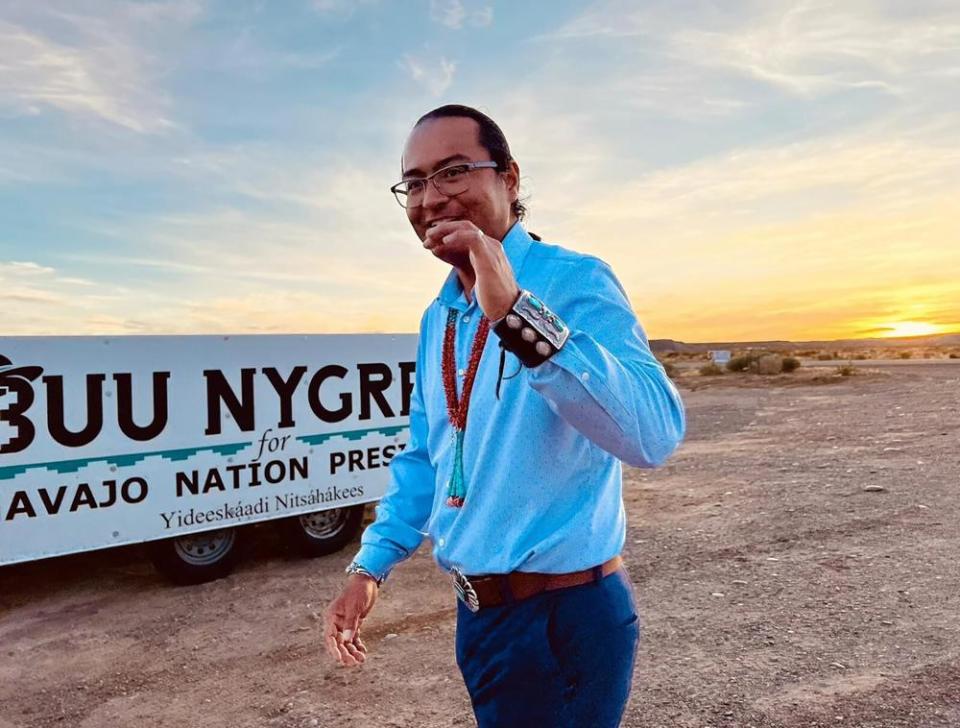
376	559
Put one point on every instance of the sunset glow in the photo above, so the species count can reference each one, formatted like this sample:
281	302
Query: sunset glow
909	328
752	171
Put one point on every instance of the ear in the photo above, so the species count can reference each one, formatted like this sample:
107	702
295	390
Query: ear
511	177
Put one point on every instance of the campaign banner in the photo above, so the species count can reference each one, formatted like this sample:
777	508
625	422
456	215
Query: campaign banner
108	441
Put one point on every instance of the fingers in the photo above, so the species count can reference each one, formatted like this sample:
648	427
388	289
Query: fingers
333	647
465	233
331	635
356	654
350	653
460	235
341	636
345	656
348	638
449	227
343	648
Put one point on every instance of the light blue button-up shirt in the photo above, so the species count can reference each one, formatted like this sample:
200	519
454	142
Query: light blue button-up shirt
542	465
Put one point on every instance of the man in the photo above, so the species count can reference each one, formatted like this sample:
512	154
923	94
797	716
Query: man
534	380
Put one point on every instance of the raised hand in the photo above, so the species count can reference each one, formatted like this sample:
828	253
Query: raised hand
462	244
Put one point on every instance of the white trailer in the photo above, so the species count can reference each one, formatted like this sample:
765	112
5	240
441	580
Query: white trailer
181	441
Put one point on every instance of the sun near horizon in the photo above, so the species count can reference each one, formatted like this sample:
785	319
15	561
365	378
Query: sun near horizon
899	329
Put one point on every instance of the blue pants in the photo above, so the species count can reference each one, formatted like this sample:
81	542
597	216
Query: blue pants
561	659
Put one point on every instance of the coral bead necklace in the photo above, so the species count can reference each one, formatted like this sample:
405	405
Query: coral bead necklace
457	408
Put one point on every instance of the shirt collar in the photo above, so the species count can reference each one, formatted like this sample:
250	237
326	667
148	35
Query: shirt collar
516	243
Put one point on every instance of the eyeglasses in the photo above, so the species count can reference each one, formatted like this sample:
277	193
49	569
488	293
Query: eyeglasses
449	181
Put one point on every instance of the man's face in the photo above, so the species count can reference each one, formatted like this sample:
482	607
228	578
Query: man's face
438	143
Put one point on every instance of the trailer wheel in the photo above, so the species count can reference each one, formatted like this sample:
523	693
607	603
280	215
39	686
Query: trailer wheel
322	532
198	557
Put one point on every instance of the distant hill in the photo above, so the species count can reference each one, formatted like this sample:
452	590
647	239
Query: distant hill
667	345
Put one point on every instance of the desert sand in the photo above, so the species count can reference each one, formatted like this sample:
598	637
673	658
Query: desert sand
796	563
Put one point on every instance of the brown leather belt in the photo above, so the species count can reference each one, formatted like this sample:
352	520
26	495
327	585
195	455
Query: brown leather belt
495	589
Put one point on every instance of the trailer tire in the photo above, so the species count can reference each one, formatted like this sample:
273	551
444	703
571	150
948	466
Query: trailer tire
197	557
322	532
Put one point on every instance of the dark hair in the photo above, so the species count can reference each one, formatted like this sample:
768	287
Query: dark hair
491	138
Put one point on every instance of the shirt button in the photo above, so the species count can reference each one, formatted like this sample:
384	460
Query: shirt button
466	319
585	377
442	542
460	372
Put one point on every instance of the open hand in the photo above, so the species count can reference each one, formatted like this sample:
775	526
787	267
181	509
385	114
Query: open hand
342	620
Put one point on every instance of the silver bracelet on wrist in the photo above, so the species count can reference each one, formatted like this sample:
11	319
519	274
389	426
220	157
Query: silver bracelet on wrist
531	331
355	568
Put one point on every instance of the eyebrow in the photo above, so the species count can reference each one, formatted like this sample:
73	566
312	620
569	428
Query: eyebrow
439	165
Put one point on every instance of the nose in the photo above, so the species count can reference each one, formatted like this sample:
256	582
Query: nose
432	197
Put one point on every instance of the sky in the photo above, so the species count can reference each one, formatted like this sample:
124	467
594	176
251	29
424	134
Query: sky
769	169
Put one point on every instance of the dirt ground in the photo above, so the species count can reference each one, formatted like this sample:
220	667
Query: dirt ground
774	591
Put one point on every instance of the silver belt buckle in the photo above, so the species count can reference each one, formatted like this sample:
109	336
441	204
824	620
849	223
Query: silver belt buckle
465	591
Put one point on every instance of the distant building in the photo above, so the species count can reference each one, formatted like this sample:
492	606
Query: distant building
719	356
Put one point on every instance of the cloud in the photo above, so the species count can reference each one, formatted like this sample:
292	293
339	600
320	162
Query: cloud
268	286
38	74
454	13
245	54
800	240
18	267
782	182
764	189
308	243
435	76
90	65
450	13
761	234
279	311
803	47
29	291
822	276
875	331
810	47
340	8
759	169
482	17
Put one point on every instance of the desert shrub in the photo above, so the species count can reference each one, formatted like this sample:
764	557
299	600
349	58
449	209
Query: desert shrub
860	357
845	371
790	364
710	370
954	356
905	354
808	353
825	357
670	369
769	364
741	363
757	363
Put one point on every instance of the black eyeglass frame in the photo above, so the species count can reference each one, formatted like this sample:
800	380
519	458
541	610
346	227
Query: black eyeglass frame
400	195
